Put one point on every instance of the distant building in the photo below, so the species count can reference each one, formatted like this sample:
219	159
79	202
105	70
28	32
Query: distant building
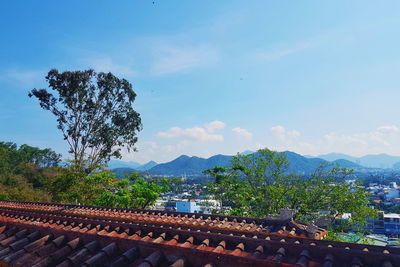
206	206
395	201
159	204
351	182
170	205
391	223
392	193
376	225
187	206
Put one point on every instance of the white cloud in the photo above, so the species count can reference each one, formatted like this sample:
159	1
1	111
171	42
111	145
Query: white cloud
289	49
383	136
148	145
384	139
242	133
107	64
389	129
146	151
278	130
215	126
172	59
23	77
194	133
277	54
283	134
177	148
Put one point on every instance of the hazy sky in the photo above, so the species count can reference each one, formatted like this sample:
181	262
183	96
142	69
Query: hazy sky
215	77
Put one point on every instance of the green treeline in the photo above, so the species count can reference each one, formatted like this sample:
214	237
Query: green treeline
27	172
32	174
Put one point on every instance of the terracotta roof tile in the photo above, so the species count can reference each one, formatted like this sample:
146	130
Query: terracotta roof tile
38	234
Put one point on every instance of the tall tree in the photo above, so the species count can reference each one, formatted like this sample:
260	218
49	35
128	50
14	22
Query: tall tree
94	112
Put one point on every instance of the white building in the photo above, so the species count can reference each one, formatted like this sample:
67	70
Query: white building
206	206
187	206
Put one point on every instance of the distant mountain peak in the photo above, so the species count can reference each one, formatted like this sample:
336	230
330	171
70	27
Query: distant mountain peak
147	166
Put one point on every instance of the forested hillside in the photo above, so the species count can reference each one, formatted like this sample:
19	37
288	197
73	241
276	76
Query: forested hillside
27	173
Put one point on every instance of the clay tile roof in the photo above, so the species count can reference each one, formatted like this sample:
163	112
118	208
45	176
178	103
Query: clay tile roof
40	234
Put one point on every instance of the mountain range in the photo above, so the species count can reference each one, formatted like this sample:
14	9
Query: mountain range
194	166
382	161
119	164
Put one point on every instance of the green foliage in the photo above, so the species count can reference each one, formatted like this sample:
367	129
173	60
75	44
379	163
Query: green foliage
258	184
93	189
4	196
24	171
145	192
40	157
104	189
13	158
387	208
94	113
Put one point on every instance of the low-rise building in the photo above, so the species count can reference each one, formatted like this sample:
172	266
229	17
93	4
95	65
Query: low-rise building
391	223
392	193
187	206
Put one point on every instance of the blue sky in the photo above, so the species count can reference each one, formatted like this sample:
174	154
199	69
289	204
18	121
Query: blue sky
216	77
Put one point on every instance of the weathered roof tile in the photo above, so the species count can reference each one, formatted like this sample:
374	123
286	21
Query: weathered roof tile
39	234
